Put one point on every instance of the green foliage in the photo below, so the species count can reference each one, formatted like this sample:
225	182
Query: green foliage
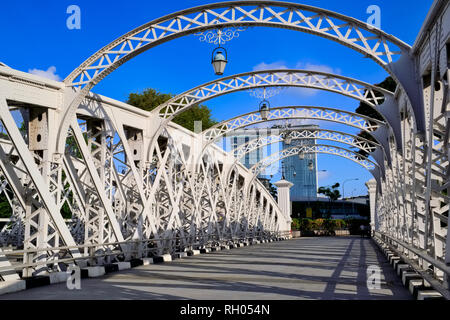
295	224
273	190
5	209
319	224
331	193
149	99
307	226
340	224
65	211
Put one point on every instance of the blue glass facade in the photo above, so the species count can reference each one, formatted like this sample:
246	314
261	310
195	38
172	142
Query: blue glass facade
305	177
240	137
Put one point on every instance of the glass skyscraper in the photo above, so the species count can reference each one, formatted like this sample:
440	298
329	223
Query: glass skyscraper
301	172
240	137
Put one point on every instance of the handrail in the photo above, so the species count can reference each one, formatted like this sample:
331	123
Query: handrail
421	253
93	255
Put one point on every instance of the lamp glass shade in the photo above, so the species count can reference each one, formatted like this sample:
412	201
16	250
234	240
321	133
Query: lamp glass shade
264	110
301	155
219	62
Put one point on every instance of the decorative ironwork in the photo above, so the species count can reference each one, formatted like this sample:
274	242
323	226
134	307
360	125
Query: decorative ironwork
220	35
266	92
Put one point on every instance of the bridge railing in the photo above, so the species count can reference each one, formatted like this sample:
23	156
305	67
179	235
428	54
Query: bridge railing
98	254
432	269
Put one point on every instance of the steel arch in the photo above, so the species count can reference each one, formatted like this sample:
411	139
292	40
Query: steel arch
367	93
381	100
315	148
371	166
320	134
367	124
355	34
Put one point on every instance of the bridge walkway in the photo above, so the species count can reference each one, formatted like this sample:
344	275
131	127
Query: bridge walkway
304	268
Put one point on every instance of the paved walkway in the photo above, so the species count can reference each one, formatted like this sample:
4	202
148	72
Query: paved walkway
305	268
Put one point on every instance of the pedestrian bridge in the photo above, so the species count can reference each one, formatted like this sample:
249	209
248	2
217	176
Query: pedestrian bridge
140	187
303	268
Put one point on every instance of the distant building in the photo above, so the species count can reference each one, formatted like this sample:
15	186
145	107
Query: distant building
240	137
358	199
323	208
301	172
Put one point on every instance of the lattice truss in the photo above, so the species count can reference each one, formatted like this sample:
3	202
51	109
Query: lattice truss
380	46
418	215
296	112
308	134
371	95
114	196
315	148
35	222
127	204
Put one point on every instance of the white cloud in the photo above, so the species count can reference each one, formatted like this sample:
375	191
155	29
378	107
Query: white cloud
270	66
323	174
317	67
49	74
305	92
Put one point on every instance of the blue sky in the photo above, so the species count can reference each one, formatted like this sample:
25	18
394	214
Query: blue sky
35	39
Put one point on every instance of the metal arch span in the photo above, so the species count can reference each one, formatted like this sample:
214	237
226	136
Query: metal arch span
351	119
381	100
355	34
316	148
294	112
320	134
367	93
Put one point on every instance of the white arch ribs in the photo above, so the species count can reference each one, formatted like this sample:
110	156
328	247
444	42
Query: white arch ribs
316	148
355	34
371	95
317	134
303	112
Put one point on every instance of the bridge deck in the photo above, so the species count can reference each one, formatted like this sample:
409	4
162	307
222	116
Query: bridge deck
305	268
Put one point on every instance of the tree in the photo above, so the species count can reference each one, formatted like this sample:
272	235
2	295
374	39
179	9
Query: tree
331	193
366	110
5	209
149	99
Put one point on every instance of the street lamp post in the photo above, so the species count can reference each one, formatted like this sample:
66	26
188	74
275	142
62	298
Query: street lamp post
353	202
343	192
309	203
343	183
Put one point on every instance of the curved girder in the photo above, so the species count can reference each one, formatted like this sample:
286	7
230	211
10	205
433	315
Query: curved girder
367	124
300	134
355	34
369	94
378	98
376	128
314	148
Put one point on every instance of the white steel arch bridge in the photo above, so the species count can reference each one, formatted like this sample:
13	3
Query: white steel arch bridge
138	185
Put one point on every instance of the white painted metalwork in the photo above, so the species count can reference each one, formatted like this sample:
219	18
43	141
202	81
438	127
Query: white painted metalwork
307	134
133	182
313	148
